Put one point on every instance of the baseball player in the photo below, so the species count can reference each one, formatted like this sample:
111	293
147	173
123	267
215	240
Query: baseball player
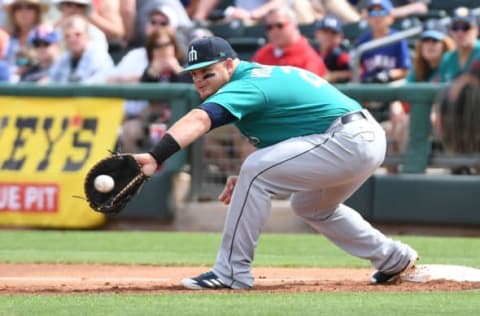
313	142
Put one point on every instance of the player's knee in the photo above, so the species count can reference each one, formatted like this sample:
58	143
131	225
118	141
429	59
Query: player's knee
310	212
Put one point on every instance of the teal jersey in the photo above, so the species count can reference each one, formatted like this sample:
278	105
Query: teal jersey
433	76
275	103
450	68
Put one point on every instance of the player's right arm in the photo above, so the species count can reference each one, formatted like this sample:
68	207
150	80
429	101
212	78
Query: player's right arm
185	131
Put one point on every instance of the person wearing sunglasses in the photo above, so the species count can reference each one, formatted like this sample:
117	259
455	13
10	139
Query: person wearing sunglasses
286	45
44	42
464	32
165	58
171	10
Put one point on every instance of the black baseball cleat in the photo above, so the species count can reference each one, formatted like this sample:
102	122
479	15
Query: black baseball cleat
205	281
380	277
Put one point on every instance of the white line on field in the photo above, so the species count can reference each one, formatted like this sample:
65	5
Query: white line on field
81	279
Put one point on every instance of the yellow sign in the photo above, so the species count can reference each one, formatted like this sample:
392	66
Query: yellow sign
48	145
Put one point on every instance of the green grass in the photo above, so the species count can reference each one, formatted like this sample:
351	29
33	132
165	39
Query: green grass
167	248
171	248
368	304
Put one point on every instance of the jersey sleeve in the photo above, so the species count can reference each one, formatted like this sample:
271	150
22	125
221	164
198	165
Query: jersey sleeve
404	61
240	98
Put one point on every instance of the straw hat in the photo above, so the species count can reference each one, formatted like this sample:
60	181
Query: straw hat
43	6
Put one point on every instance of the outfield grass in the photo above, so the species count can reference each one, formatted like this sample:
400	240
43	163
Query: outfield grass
167	248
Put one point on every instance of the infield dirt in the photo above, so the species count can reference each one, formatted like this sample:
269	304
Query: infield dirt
70	279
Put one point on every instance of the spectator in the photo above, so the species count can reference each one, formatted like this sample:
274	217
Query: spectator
287	46
464	32
329	35
458	114
173	11
164	58
23	16
4	71
429	50
131	66
4	39
382	65
82	8
24	59
44	40
82	61
386	63
164	66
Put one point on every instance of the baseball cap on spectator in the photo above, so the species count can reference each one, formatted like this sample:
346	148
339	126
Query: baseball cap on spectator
463	14
207	51
166	11
434	29
43	34
385	4
330	22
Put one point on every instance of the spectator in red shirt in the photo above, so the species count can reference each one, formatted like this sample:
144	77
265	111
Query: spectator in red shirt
287	46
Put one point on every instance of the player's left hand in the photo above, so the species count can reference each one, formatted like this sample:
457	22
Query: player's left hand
227	192
148	163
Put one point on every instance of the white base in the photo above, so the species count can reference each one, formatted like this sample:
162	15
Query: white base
430	272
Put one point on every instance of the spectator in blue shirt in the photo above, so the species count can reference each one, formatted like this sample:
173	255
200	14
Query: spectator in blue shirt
82	61
383	65
386	63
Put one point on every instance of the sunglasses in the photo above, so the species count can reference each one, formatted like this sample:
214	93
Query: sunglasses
159	22
162	45
38	44
460	27
278	25
377	12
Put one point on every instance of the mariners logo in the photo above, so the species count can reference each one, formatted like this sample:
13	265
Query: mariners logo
192	55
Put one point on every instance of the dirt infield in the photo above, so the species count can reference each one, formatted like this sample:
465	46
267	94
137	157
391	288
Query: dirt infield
68	279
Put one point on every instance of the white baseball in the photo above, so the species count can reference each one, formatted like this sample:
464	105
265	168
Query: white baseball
104	183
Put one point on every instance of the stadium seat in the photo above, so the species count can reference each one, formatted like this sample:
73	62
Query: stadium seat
450	5
308	30
246	46
227	30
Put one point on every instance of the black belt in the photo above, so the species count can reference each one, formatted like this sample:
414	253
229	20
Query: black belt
353	116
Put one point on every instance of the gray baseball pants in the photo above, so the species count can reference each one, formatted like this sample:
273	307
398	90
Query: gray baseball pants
320	172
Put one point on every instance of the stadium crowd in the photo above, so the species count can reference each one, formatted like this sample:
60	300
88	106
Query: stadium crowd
135	41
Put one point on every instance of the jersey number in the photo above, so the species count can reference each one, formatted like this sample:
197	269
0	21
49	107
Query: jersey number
311	78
